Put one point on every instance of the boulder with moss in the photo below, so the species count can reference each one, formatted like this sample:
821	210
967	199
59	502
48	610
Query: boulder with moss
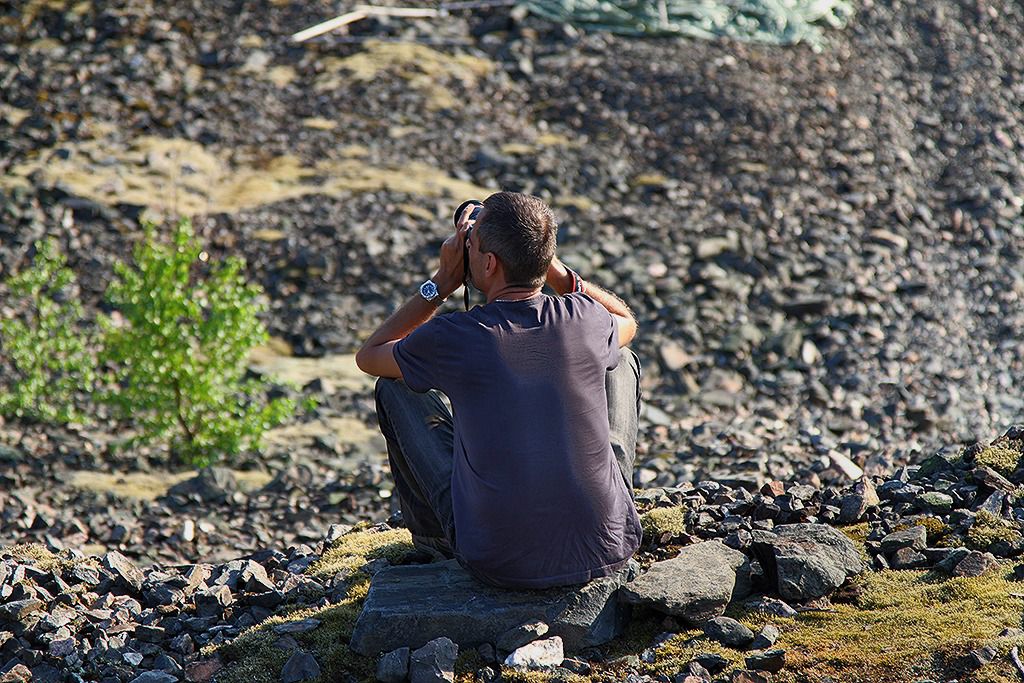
411	605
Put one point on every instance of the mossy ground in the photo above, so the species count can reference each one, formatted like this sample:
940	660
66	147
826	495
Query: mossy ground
43	558
661	520
1001	458
905	626
989	528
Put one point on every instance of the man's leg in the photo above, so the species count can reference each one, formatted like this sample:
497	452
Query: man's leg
623	388
419	431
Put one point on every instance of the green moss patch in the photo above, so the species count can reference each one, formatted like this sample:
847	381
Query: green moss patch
661	520
907	626
989	528
1001	458
355	549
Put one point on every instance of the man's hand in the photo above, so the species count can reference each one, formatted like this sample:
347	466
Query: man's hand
376	357
558	277
452	270
560	280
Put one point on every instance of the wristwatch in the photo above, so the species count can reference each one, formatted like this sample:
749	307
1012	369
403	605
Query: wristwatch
428	290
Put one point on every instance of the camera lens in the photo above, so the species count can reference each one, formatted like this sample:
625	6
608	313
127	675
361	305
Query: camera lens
462	207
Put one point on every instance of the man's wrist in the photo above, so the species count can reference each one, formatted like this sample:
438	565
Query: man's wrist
445	288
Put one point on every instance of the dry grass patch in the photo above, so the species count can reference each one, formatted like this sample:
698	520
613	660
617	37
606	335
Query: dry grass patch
425	69
150	486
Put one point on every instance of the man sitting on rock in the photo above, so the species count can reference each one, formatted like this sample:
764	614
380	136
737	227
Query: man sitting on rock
530	485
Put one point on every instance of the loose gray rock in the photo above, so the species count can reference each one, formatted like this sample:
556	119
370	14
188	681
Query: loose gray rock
908	558
935	501
772	606
981	657
538	654
915	537
303	626
124	570
975	563
946	558
17	610
409	605
728	632
301	666
155	677
696	585
434	662
521	635
393	667
765	639
806	561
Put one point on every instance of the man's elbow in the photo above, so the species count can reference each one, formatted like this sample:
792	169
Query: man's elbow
627	332
363	361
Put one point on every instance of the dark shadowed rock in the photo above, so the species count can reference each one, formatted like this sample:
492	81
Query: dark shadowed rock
301	666
806	561
211	485
696	585
728	632
434	662
769	660
155	677
411	605
908	558
393	667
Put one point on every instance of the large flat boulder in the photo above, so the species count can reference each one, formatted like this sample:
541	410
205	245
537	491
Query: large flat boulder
806	561
410	605
695	585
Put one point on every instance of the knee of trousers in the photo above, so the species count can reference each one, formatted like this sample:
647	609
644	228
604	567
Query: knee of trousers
384	387
627	358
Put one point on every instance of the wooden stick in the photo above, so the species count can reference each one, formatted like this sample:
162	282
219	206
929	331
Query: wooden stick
362	11
329	25
398	11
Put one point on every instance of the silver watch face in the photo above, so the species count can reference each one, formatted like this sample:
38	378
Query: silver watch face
428	290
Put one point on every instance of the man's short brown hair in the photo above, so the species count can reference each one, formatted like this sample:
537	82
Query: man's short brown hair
520	230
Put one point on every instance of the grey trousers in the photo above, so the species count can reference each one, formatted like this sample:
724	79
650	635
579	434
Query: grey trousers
419	432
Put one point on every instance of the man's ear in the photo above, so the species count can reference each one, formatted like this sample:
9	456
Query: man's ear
492	264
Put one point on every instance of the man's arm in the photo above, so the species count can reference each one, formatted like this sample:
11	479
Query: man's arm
561	281
376	357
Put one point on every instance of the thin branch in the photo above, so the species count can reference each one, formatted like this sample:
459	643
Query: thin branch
181	414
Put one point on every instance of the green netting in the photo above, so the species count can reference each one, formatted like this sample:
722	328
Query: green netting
781	22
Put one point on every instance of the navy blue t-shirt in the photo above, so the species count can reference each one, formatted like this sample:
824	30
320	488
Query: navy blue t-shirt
538	497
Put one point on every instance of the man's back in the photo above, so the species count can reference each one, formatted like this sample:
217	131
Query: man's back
538	497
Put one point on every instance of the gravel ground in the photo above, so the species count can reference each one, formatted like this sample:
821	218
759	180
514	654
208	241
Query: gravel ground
823	249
